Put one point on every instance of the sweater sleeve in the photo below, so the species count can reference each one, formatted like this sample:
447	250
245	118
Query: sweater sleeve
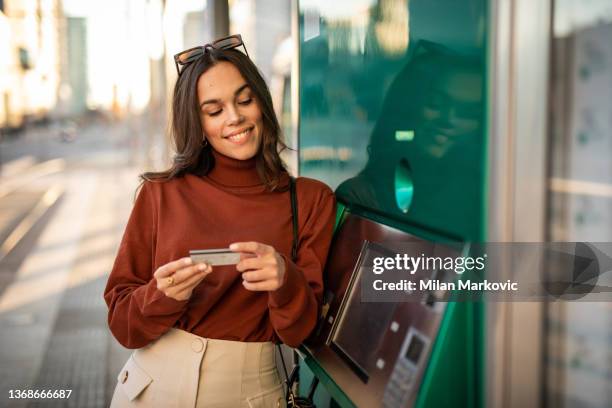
294	306
138	312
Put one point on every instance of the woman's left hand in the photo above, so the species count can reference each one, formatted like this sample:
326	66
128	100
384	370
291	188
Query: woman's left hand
263	269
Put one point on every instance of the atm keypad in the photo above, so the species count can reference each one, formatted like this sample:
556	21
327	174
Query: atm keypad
401	384
401	381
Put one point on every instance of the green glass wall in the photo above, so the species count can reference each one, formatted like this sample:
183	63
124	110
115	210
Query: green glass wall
392	117
392	108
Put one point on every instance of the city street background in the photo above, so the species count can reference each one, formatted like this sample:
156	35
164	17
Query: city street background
84	88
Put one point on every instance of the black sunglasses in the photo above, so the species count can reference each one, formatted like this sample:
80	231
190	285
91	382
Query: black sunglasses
186	57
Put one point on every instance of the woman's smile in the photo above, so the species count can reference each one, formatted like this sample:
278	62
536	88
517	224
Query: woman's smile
240	137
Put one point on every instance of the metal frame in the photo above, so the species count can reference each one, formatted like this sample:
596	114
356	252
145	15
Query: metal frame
518	97
295	82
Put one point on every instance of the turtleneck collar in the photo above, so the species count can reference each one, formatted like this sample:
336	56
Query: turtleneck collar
233	172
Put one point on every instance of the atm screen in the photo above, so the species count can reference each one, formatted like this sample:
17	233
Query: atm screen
361	330
360	337
415	349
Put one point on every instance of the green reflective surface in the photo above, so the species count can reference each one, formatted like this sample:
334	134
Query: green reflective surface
386	82
392	117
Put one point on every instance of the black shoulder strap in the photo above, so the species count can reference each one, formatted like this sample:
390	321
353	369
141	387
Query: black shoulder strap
294	213
293	400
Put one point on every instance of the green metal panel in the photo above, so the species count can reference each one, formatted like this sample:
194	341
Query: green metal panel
327	387
392	116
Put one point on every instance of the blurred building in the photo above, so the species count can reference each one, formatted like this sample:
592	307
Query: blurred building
73	89
30	59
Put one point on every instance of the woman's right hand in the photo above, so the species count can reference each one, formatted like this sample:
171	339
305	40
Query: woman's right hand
177	279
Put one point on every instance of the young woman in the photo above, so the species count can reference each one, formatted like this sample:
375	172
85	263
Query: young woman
205	335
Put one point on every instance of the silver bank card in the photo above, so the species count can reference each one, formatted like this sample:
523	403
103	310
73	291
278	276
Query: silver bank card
215	257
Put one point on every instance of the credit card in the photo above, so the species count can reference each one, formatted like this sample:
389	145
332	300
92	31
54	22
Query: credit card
215	257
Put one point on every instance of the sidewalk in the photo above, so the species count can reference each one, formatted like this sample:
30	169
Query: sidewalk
55	334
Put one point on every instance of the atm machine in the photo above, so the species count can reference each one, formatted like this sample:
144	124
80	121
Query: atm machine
379	353
392	117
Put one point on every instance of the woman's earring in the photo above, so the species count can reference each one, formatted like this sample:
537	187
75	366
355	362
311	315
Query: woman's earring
204	142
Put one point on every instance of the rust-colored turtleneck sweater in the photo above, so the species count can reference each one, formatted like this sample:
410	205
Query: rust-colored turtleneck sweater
228	205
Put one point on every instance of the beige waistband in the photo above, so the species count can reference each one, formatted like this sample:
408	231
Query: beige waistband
261	354
184	338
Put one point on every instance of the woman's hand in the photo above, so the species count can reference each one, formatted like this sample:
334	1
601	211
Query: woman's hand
177	279
263	269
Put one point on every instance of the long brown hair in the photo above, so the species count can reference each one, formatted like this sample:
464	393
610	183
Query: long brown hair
186	129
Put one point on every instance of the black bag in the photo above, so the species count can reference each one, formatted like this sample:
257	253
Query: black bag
292	400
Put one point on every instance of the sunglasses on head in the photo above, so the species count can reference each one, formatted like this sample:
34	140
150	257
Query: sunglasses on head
184	58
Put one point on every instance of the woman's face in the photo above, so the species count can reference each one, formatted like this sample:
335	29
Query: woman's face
230	114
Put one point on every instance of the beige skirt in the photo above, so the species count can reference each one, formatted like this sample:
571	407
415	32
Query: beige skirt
183	370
